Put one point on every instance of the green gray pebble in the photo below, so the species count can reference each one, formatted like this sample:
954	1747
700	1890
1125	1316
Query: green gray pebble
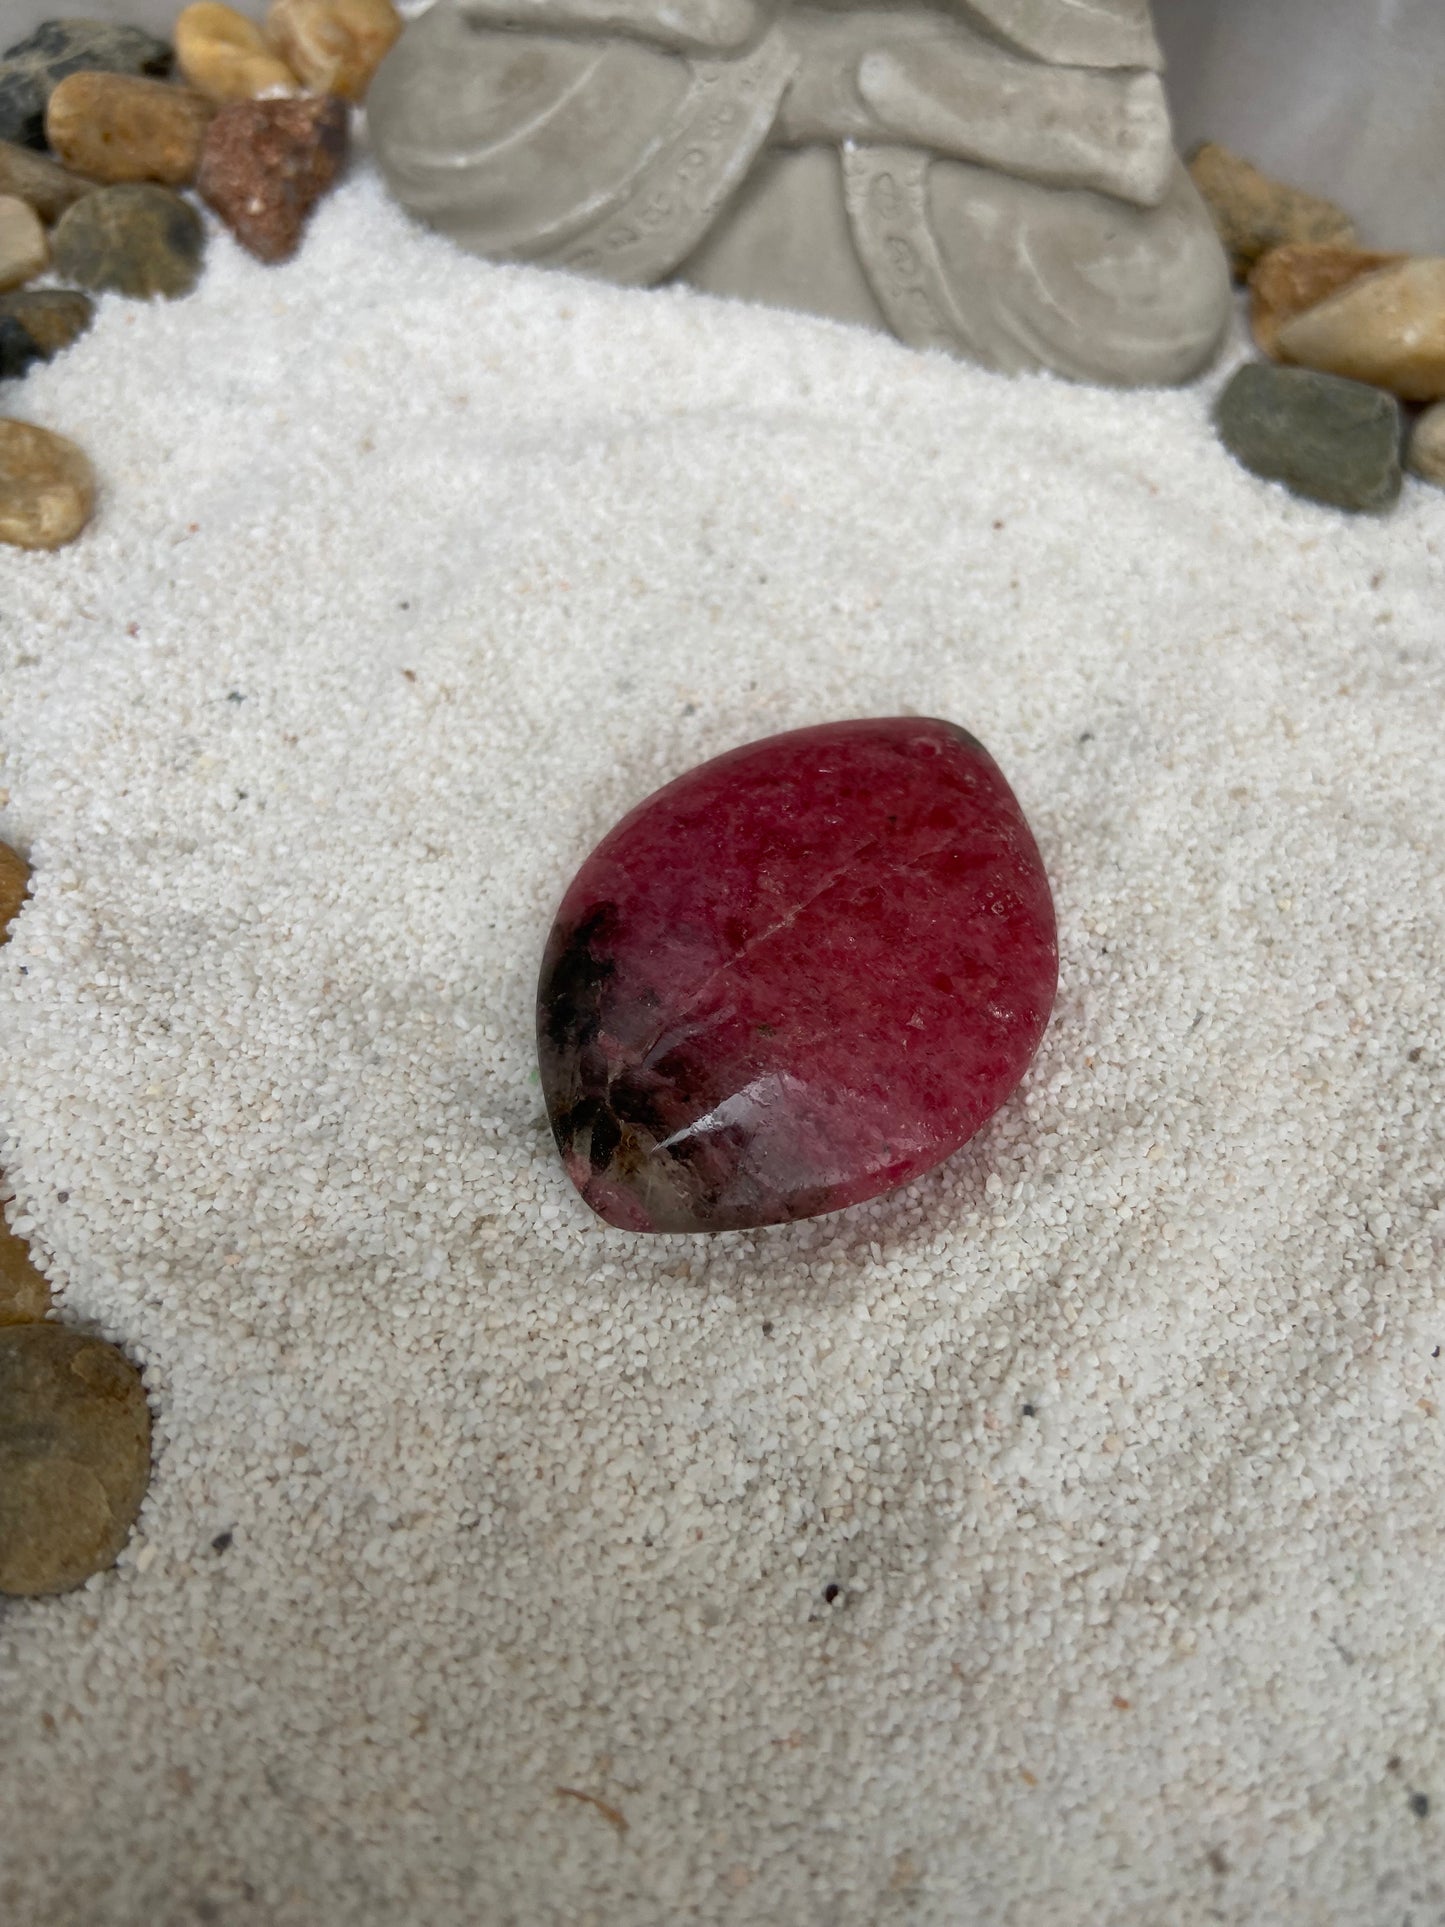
1328	439
137	239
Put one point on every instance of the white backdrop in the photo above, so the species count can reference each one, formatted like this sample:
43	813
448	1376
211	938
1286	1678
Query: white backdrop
1344	96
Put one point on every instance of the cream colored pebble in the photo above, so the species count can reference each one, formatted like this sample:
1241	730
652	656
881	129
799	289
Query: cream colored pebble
224	56
1425	456
333	46
1387	329
24	252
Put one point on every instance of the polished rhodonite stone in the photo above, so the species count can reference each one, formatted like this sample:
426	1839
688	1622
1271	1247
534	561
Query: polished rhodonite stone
796	977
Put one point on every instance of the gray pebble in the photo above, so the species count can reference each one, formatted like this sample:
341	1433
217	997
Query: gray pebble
1328	439
32	68
136	238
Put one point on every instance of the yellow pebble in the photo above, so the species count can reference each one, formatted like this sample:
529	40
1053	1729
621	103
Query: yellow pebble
47	488
223	56
333	46
123	127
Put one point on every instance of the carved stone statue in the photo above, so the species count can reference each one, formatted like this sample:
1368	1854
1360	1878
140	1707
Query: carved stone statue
995	178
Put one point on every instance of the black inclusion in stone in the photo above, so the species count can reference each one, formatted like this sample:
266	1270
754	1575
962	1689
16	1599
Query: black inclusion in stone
610	1113
606	1136
18	348
592	1115
635	1103
569	996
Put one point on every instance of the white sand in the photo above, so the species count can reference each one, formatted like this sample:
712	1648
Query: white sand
410	575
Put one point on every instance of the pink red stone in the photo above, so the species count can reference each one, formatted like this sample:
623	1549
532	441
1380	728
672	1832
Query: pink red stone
796	977
266	163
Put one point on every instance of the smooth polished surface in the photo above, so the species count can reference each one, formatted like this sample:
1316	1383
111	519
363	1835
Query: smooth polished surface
798	976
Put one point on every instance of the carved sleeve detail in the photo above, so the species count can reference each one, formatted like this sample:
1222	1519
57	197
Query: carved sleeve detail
1016	204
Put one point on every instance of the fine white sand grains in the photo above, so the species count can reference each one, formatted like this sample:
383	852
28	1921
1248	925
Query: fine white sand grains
1057	1542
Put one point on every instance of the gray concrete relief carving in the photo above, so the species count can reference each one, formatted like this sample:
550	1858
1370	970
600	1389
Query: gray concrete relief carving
996	179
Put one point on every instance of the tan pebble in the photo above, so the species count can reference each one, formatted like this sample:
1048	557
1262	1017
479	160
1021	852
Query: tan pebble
24	1294
34	178
1254	213
117	127
1388	329
223	56
1288	280
14	884
333	46
74	1457
47	487
1425	456
24	252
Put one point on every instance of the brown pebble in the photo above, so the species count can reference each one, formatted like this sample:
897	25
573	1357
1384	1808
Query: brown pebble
266	163
14	887
1387	329
333	46
223	55
118	127
52	317
1288	280
1254	213
24	1294
47	487
38	181
74	1457
24	251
